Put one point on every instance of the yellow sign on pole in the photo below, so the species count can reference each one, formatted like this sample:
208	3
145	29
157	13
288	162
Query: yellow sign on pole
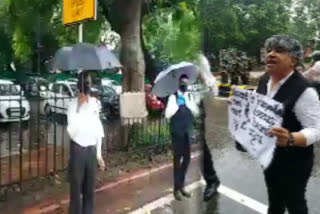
75	11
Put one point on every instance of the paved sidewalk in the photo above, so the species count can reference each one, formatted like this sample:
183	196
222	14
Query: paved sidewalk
128	192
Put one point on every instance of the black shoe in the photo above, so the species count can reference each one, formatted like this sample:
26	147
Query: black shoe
185	193
210	191
177	195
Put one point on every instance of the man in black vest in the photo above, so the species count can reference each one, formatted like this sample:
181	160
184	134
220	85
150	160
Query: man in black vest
288	174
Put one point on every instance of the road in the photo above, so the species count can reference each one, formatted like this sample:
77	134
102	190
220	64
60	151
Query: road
243	189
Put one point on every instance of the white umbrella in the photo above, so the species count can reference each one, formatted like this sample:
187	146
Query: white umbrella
167	81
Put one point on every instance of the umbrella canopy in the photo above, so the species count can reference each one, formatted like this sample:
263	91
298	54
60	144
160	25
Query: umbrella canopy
62	59
84	56
167	81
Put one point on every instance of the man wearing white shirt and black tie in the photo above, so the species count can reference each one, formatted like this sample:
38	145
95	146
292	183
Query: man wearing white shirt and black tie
86	132
288	174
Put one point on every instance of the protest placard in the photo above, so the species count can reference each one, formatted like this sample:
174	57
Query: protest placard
251	116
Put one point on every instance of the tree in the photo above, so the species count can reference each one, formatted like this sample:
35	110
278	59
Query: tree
173	35
305	16
126	18
6	51
242	24
262	20
37	31
220	25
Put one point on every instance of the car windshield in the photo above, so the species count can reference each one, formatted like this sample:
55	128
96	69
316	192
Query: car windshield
107	89
8	89
74	88
115	83
111	82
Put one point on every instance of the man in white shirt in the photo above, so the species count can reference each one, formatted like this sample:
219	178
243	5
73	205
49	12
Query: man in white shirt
208	171
288	174
86	132
313	73
180	110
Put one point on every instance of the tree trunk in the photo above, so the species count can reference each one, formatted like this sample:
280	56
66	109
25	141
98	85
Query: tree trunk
125	18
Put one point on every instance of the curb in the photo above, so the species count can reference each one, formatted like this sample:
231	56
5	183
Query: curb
48	207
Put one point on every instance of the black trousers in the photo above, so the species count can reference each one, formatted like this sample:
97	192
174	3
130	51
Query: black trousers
181	143
286	181
208	171
82	173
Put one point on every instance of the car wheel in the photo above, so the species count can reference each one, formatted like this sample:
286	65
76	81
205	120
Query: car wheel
47	109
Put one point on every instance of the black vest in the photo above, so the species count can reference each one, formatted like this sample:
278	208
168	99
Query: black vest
182	120
288	94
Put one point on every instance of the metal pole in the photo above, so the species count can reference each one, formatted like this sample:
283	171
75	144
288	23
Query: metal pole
80	33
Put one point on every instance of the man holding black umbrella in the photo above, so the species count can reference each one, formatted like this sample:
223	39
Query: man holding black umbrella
86	132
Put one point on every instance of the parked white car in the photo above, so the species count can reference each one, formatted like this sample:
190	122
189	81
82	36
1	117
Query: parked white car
59	96
113	84
43	93
14	106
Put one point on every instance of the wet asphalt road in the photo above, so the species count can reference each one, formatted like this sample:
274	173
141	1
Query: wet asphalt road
237	171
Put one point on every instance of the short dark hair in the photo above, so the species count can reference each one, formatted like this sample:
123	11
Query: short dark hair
84	81
183	76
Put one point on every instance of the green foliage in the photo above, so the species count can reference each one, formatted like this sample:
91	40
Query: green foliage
29	20
6	52
262	21
243	24
307	17
152	133
35	26
21	46
173	34
173	29
220	23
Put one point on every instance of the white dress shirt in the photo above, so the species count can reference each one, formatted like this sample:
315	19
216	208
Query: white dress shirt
306	109
84	126
172	105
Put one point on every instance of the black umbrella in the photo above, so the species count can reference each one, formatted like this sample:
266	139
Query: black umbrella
85	56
